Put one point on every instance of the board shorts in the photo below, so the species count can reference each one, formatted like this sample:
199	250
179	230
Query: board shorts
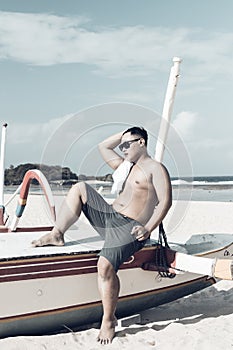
113	227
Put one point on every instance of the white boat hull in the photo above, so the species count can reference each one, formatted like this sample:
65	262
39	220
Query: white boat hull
56	288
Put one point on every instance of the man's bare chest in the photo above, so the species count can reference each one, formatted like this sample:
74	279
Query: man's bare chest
139	179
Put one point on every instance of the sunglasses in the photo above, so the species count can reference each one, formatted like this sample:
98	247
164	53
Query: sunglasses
127	144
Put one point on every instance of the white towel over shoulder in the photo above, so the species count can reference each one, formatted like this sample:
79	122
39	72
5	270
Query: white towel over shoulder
119	176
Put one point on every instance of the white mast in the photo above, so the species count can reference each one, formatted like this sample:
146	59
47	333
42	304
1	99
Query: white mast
167	109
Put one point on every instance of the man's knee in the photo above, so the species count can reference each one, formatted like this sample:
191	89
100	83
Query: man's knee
79	190
79	187
105	268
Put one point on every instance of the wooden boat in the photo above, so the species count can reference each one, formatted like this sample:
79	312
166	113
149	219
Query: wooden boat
50	289
53	288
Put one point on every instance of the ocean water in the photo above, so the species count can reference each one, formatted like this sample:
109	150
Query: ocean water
208	188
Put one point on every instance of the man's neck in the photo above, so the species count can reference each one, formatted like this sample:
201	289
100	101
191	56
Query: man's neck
142	158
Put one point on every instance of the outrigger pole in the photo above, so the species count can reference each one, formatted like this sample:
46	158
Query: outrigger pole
24	191
23	188
2	173
167	109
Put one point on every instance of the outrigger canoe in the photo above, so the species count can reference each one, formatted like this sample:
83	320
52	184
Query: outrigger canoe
51	289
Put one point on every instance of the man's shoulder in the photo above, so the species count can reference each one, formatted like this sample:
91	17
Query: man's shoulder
157	167
155	164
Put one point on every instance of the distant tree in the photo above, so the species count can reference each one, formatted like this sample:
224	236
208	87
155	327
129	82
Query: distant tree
82	177
15	175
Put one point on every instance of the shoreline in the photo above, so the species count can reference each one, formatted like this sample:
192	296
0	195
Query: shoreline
199	192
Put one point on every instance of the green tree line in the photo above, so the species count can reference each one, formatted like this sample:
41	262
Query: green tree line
53	173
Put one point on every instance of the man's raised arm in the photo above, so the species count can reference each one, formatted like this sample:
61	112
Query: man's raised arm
106	148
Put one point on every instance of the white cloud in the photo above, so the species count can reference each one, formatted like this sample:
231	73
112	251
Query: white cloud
212	145
184	124
41	39
138	97
33	132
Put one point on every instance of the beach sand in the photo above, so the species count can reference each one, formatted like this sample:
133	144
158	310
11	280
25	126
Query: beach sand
203	320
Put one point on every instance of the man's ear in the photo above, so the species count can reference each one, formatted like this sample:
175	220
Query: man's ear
142	142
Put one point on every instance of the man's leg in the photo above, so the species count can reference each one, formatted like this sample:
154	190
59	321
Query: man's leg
68	214
109	287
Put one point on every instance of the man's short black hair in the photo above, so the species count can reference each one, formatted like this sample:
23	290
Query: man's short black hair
136	130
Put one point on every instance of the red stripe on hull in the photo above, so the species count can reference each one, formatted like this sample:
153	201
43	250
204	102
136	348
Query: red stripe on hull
27	229
65	265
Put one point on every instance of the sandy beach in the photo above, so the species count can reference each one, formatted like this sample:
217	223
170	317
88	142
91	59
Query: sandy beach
200	321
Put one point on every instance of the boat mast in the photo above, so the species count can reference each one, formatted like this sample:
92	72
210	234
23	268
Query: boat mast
167	109
2	173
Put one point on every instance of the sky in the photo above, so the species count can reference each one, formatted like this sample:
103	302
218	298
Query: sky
73	72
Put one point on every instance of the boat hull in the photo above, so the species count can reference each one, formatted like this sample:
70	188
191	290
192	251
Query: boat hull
78	316
50	293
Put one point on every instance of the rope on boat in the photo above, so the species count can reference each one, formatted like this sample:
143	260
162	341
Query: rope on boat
160	255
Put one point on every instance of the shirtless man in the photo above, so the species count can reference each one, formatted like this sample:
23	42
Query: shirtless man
127	223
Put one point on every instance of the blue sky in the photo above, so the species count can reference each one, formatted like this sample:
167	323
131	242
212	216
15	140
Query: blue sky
58	59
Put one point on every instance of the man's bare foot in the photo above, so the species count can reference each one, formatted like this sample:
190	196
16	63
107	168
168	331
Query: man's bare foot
107	331
50	238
